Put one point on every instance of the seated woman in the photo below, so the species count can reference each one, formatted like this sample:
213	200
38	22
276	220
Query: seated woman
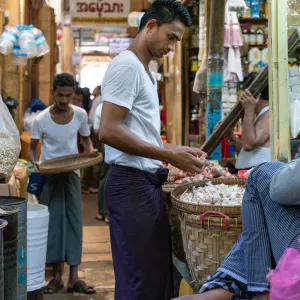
271	223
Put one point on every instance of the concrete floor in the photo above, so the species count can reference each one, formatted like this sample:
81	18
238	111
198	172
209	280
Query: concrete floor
96	268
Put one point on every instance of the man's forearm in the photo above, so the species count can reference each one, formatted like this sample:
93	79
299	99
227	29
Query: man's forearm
32	156
125	141
87	144
248	132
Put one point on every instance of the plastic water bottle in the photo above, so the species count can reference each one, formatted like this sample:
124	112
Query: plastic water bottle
41	43
8	40
19	58
26	39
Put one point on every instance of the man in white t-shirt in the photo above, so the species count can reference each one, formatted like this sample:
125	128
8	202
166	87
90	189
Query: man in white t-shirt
130	130
104	169
96	102
58	127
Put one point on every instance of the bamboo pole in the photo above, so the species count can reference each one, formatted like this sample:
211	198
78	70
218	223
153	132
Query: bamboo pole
278	81
215	65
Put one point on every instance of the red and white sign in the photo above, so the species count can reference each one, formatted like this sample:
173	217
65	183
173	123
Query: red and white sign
100	11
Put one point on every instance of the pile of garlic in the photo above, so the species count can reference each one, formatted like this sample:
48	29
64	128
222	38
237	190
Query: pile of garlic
219	194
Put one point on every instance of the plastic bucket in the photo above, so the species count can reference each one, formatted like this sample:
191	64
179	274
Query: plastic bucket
37	236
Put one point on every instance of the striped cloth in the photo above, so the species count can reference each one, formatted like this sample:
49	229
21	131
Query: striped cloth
268	229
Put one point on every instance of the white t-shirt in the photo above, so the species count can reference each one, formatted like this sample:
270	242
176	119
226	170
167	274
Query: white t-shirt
59	140
97	119
127	84
95	104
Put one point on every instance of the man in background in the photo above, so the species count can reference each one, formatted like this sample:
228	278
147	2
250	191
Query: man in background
58	127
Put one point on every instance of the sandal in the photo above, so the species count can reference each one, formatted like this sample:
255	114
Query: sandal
102	218
53	287
93	190
82	288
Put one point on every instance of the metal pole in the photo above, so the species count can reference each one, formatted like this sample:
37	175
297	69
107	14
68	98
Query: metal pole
215	64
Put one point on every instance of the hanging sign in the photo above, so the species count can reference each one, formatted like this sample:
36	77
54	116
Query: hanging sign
100	11
116	46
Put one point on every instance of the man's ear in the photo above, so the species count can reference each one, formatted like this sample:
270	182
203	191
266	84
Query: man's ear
152	24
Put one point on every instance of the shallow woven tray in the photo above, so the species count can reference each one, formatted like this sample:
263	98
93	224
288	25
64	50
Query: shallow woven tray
198	209
70	163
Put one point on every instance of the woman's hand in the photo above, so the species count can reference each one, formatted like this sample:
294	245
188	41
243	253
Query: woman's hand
248	101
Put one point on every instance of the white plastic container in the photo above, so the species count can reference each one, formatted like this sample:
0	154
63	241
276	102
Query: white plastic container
37	237
8	40
42	46
19	58
27	39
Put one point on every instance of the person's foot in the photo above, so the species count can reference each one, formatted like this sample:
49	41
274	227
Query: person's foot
93	190
54	286
262	296
100	217
79	286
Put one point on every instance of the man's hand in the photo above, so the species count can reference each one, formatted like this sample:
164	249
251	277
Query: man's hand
36	166
248	101
188	159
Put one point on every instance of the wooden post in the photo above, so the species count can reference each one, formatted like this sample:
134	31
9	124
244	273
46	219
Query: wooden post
173	88
278	81
215	69
68	47
11	80
45	66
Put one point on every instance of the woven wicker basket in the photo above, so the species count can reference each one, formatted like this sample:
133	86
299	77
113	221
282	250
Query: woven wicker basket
197	209
177	244
206	245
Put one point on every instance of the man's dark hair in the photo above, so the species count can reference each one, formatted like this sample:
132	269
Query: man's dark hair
264	93
166	12
78	91
63	79
99	87
86	99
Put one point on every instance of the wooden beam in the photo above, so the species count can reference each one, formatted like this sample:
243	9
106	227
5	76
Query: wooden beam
11	80
278	81
68	47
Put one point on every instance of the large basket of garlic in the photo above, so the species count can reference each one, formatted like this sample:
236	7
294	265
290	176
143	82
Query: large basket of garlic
209	224
222	195
176	179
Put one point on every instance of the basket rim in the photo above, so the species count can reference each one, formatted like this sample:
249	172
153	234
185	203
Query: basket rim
215	181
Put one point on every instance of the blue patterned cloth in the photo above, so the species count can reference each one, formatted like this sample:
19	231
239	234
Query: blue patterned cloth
268	229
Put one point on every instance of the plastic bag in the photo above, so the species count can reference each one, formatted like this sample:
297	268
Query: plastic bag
28	119
9	140
295	114
201	78
237	5
285	279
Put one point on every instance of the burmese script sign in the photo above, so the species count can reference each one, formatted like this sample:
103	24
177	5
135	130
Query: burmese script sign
100	11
